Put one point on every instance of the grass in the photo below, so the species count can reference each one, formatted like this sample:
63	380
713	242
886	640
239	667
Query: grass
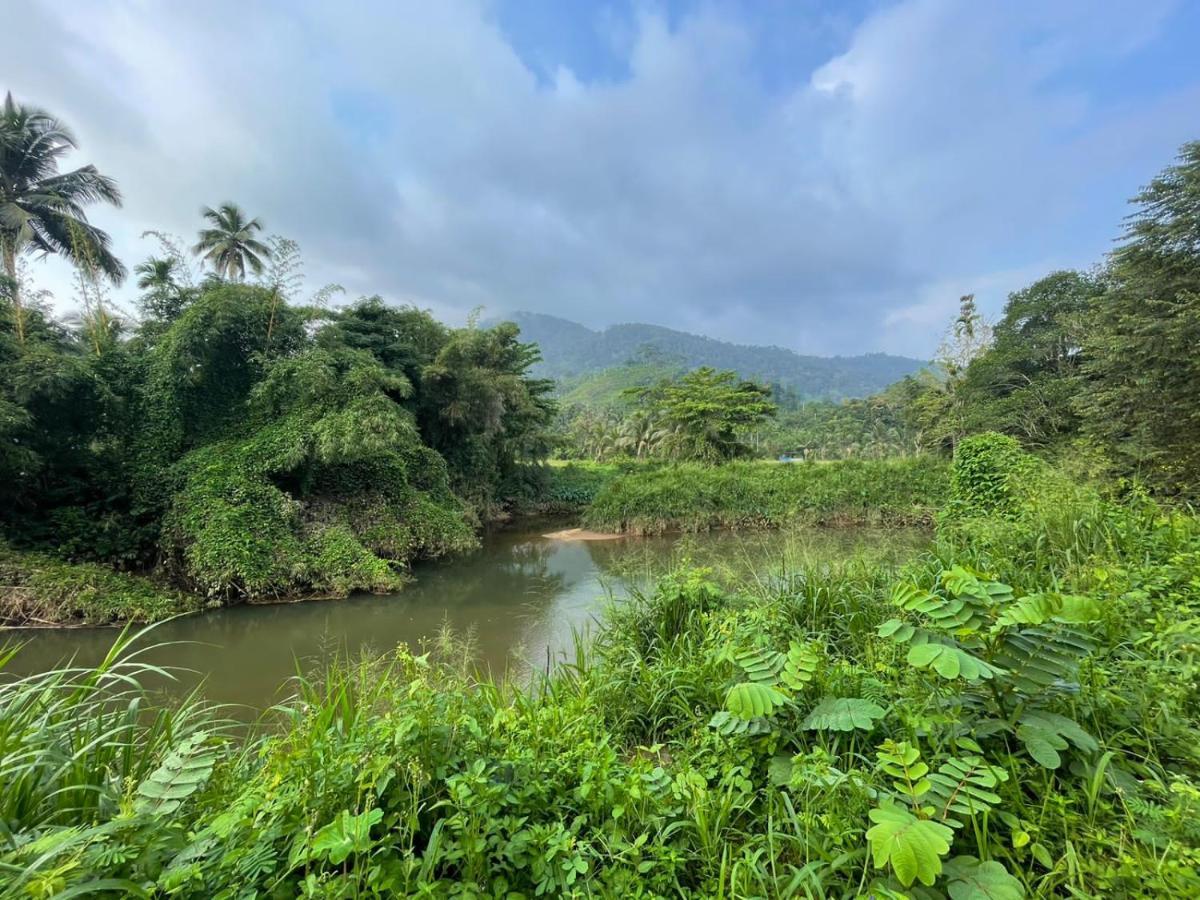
632	769
693	497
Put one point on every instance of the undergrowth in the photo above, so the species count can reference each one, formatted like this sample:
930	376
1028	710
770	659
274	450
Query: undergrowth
1013	713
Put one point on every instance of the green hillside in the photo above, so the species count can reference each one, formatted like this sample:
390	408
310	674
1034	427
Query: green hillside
574	354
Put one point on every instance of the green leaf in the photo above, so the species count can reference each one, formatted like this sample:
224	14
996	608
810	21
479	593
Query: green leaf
346	835
1045	733
843	714
727	723
749	700
1043	746
964	787
184	771
1036	659
897	629
761	666
969	879
950	662
913	847
800	667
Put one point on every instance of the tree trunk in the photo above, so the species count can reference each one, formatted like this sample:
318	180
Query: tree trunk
10	269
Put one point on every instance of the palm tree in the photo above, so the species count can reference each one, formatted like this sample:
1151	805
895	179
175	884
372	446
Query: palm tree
229	245
156	274
42	209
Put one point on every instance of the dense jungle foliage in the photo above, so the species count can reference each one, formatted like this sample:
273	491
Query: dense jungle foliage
1012	714
249	447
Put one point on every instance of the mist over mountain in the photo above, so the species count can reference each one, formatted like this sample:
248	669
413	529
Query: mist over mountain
572	352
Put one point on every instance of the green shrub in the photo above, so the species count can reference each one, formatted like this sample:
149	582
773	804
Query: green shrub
991	475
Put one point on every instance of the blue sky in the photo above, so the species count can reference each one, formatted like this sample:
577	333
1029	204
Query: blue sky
826	176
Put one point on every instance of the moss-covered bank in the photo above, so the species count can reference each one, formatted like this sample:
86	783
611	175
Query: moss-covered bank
36	589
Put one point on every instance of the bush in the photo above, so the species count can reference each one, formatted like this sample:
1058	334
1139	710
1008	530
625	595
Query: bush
846	731
991	475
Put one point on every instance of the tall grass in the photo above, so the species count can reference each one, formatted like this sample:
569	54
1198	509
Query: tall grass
73	740
692	497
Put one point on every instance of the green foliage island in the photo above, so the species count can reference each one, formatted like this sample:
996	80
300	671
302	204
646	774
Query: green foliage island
1012	712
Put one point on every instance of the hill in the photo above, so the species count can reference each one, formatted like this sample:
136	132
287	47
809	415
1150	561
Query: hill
575	355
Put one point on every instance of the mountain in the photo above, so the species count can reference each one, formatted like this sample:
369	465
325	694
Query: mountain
574	355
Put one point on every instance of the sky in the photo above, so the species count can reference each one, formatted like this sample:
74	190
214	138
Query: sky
822	175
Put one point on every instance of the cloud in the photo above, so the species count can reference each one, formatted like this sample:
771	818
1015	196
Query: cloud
413	151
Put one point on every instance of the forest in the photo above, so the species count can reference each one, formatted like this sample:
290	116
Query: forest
1013	712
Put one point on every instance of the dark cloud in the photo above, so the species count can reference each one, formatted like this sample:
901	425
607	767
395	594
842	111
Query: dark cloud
411	150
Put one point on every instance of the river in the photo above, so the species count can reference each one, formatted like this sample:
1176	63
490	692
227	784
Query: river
518	598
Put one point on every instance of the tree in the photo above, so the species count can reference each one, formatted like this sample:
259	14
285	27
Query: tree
1026	384
938	410
42	209
1141	347
159	278
229	245
705	413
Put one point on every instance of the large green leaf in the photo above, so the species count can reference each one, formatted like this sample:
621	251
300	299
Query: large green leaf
843	714
913	847
949	661
969	879
345	835
749	699
1044	734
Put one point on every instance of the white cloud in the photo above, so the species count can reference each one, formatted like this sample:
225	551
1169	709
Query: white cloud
411	152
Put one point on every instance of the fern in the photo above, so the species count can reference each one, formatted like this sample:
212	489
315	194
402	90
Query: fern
843	714
185	770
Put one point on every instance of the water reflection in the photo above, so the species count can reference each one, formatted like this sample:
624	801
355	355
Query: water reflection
520	596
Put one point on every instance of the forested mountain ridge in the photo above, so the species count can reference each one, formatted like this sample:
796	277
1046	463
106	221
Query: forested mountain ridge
571	351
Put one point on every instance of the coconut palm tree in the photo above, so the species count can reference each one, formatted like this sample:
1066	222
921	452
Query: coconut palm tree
157	273
229	245
42	209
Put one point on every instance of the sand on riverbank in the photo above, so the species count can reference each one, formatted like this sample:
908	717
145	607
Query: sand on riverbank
581	534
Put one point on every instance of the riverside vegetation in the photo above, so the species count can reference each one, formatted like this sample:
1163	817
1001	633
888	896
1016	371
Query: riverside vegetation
1012	714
